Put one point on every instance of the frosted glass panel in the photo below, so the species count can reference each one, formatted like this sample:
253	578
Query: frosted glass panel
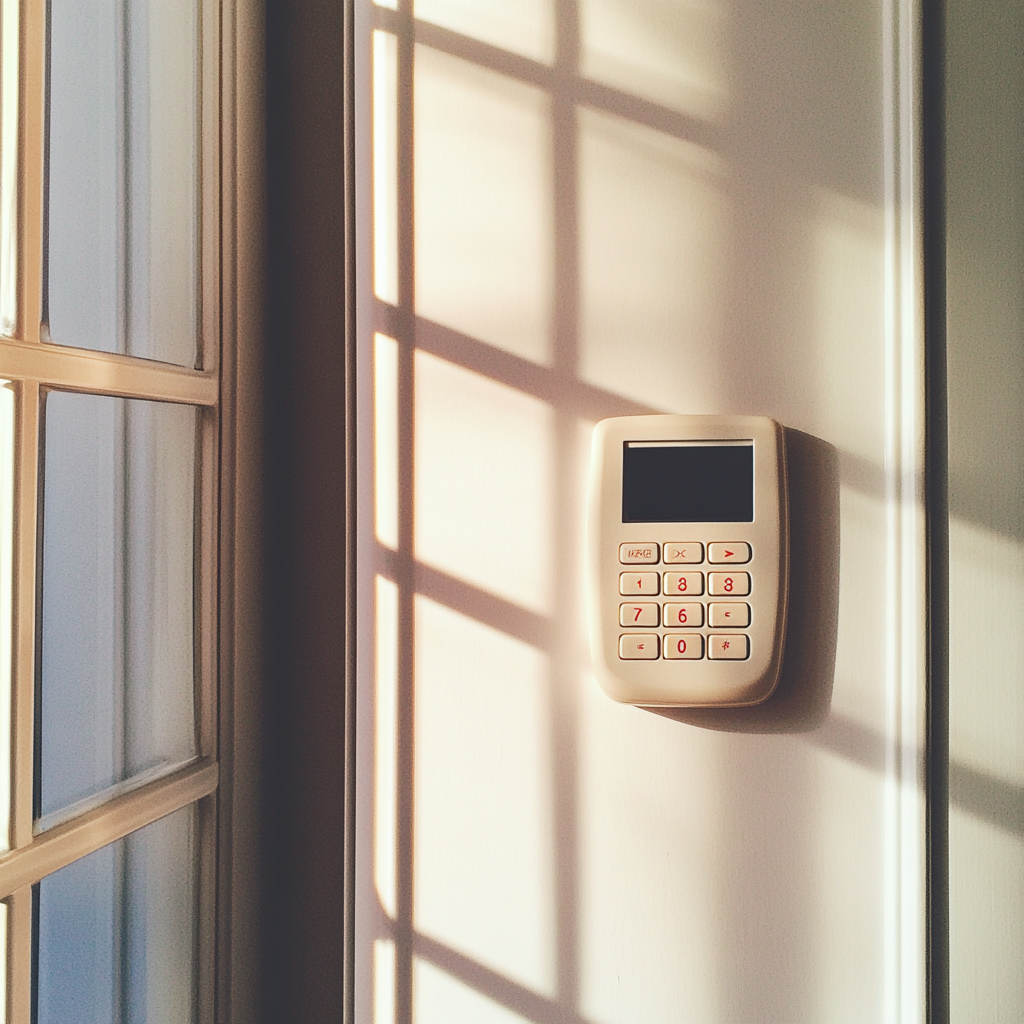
7	411
116	677
123	223
116	931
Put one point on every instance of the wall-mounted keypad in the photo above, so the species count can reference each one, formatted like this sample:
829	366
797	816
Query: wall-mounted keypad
679	616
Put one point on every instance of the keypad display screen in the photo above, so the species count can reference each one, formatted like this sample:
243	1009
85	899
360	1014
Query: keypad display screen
687	482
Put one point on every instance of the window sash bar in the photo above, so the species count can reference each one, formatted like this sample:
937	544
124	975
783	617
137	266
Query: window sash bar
71	840
103	373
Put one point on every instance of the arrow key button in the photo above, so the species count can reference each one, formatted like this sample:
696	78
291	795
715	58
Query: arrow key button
735	553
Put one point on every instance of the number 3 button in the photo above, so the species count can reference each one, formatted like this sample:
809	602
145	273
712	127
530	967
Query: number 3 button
724	584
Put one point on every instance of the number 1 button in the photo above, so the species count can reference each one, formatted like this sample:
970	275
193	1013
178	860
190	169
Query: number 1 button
638	583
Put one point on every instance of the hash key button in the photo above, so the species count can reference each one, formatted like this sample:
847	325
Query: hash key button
638	646
726	554
734	647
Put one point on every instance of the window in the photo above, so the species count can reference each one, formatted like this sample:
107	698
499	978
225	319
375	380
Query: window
112	455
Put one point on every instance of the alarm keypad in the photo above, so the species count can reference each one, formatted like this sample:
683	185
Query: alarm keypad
685	614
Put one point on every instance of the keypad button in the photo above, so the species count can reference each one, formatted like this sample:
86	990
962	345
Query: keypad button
735	552
686	646
690	614
638	646
732	613
728	584
638	554
679	584
640	614
638	583
732	647
683	551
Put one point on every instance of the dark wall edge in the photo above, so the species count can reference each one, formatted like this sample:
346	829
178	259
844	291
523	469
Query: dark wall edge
307	782
933	148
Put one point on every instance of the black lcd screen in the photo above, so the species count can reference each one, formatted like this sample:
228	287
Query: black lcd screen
682	482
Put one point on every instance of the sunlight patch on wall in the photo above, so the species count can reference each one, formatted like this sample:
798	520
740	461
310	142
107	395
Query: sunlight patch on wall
385	439
654	244
526	27
385	166
483	482
671	52
484	858
385	780
484	249
383	981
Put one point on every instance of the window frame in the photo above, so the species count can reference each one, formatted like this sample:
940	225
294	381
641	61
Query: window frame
34	365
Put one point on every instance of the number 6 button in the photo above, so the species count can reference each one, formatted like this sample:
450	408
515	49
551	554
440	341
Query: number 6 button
728	584
684	614
688	583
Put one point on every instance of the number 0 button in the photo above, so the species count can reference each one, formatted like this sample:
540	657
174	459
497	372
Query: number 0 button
728	584
689	646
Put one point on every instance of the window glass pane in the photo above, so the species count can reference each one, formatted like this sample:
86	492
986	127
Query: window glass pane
116	931
123	227
6	594
116	672
9	82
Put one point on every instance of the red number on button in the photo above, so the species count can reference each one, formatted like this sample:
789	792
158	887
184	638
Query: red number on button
636	618
727	586
681	585
639	583
681	617
681	646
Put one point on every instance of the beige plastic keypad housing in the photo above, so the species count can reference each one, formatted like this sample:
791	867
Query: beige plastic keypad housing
701	663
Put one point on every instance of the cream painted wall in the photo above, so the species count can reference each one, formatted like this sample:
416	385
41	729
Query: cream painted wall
593	208
985	268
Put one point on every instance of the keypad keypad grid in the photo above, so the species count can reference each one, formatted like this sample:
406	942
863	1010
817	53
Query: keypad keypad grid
684	614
